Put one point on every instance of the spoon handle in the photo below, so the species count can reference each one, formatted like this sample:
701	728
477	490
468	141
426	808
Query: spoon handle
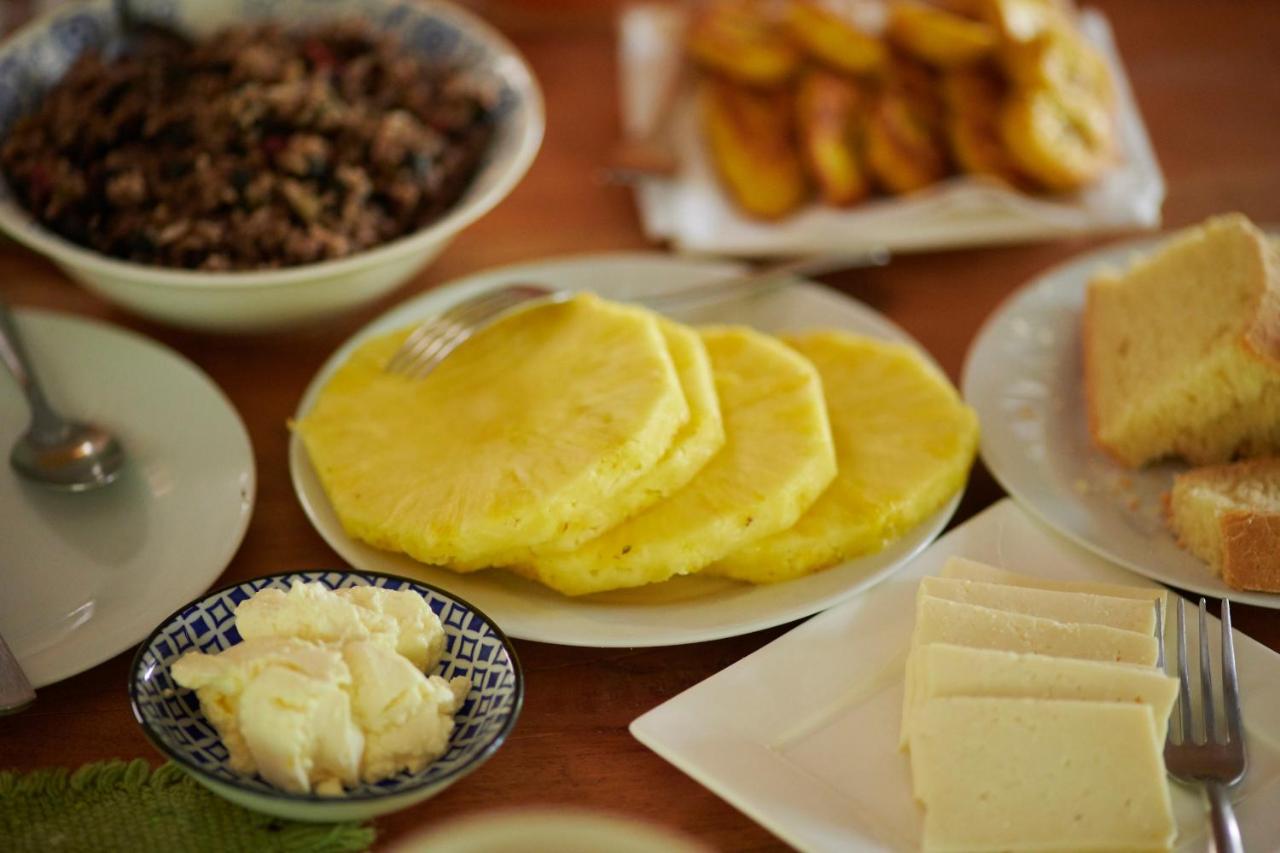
16	691
45	423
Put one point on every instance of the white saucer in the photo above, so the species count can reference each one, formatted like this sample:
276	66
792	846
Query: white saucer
683	610
86	576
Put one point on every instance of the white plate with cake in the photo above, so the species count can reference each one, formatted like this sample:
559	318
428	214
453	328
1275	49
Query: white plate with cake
1181	379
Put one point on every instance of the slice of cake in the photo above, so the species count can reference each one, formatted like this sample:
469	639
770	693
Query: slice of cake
1182	351
1229	516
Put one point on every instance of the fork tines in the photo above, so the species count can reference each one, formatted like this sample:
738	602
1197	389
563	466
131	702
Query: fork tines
1186	731
430	342
1212	762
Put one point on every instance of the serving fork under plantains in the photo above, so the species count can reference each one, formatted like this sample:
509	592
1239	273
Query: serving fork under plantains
1203	755
433	339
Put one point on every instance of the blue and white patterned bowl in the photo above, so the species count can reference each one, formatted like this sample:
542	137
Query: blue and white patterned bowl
37	57
170	715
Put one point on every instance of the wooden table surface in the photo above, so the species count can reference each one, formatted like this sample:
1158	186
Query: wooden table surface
1207	78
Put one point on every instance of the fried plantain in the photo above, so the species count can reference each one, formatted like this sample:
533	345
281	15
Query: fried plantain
751	138
938	37
905	150
832	40
918	84
1023	20
1060	59
831	119
1063	141
739	40
974	97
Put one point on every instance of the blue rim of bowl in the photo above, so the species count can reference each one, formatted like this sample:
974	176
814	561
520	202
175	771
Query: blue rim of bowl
459	216
480	758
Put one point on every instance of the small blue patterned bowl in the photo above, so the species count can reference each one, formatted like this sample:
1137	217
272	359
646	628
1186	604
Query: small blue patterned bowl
170	715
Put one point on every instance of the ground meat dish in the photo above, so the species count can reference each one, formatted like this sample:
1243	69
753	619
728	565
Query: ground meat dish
258	148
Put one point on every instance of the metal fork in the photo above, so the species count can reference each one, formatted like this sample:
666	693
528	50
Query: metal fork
1206	760
432	341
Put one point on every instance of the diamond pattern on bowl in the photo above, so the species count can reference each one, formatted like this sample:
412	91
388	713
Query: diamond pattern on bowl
474	647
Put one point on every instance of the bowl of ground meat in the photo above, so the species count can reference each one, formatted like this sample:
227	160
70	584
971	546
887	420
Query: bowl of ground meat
246	165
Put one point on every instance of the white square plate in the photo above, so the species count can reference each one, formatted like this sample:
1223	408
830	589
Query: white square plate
802	736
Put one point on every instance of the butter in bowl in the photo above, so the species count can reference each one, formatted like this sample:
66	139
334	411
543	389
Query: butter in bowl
327	696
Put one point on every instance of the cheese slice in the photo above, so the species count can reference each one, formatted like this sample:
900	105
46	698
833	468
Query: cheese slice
1128	614
942	621
971	570
942	670
1040	774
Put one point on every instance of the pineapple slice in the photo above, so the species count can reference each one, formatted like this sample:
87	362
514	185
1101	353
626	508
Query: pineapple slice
514	439
777	458
698	440
904	443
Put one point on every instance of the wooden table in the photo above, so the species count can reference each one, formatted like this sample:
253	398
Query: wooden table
1206	79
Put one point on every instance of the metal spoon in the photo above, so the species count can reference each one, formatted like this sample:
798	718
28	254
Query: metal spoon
63	454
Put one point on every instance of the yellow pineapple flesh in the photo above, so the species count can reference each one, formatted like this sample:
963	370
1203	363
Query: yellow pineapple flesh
696	442
904	443
514	439
777	458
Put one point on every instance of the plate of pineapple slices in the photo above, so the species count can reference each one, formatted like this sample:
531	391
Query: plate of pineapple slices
589	472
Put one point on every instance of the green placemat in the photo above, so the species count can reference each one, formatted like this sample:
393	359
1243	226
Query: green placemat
127	806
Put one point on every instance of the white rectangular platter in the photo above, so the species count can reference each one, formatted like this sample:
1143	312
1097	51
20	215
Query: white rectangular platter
801	736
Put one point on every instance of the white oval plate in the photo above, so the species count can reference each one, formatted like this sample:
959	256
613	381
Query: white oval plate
684	610
88	575
1023	376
